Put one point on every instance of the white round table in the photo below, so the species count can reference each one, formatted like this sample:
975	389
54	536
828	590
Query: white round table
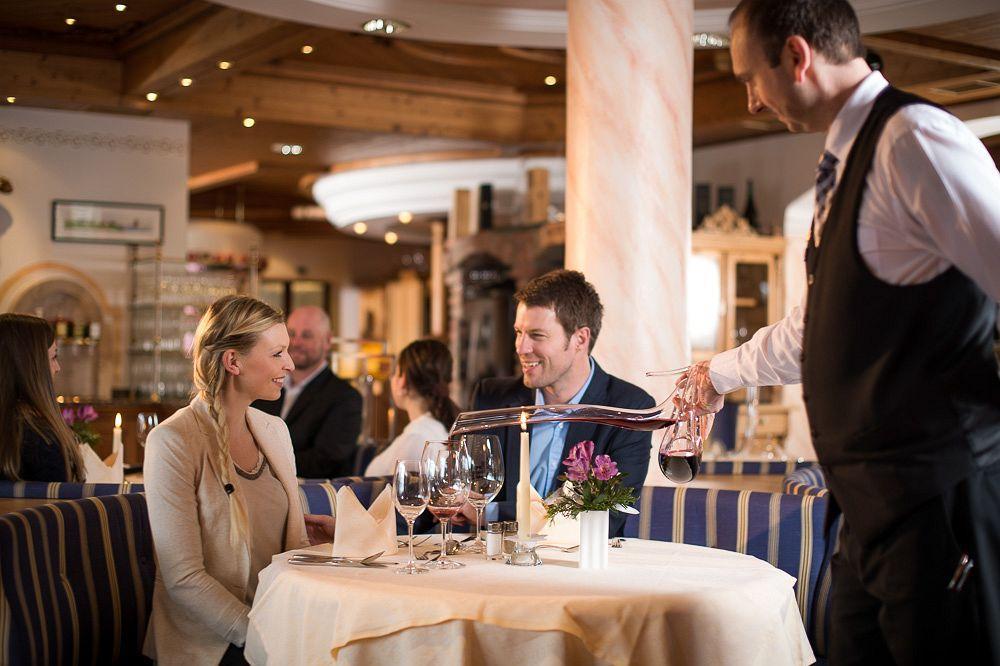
661	603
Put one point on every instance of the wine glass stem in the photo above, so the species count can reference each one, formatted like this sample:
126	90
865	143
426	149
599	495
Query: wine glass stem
409	540
444	538
479	518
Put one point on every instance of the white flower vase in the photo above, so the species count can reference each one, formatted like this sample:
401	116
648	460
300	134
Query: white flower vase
593	540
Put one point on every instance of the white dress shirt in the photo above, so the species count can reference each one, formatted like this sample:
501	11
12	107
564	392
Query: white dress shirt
932	201
409	445
292	392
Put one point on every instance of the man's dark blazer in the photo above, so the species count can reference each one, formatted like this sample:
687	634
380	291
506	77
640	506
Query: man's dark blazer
629	448
324	423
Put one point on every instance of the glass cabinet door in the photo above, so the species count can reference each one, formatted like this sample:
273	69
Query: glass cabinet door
750	300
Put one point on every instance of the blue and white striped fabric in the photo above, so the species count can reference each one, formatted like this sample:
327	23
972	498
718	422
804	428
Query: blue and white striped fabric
752	467
64	490
806	481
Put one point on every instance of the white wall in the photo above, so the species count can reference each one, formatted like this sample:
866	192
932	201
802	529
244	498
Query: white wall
92	157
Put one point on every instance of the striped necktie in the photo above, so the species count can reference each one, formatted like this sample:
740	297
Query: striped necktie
826	178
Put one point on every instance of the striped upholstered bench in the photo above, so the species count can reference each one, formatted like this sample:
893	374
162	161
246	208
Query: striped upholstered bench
784	530
752	467
319	495
806	481
45	490
76	581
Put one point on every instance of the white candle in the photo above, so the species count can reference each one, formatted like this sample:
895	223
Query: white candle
116	439
524	484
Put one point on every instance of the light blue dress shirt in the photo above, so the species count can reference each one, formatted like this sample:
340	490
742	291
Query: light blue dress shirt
548	441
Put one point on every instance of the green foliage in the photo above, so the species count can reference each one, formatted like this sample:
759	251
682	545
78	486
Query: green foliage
591	494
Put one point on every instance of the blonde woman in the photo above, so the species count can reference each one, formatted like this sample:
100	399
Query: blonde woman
221	488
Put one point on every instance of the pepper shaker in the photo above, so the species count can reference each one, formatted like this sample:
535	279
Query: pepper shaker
509	536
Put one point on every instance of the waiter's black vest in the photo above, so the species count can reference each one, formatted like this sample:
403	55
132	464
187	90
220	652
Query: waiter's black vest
901	384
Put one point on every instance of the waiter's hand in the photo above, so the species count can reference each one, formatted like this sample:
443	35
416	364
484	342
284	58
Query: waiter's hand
319	528
695	391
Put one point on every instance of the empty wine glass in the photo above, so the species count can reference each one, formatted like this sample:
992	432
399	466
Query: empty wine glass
486	479
447	467
144	422
410	494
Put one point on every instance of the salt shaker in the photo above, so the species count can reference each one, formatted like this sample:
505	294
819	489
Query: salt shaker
494	540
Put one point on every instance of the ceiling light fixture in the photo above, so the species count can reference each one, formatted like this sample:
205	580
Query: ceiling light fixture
296	149
406	217
225	64
11	99
551	80
386	26
307	49
151	96
360	228
391	237
120	7
186	82
70	21
709	40
248	122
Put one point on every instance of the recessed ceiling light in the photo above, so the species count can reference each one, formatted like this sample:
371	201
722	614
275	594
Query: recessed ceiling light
248	122
186	81
386	26
11	99
225	64
151	96
307	49
120	7
391	237
360	228
551	80
70	21
296	149
406	217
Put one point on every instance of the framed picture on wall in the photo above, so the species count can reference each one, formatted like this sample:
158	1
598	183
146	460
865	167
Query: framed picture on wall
106	222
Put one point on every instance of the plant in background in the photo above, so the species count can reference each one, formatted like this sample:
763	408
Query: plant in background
590	484
79	419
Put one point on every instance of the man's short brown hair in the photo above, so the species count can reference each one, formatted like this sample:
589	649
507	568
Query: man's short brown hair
574	300
830	26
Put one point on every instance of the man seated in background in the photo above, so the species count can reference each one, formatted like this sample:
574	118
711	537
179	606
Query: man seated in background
322	411
557	322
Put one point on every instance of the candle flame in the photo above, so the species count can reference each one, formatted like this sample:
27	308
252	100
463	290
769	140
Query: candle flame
118	420
524	421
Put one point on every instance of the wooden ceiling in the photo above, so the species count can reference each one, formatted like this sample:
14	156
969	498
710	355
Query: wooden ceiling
357	97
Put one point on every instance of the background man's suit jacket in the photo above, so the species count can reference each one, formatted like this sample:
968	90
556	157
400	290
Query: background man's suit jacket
630	449
324	422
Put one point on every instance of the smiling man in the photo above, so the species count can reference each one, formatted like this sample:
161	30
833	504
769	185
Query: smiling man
557	322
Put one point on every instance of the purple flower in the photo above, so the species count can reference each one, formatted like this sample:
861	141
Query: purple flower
578	462
68	415
605	468
88	414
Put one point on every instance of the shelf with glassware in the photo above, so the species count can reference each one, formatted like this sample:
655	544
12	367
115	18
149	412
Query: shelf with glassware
168	298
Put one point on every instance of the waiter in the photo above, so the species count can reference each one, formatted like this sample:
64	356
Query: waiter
894	344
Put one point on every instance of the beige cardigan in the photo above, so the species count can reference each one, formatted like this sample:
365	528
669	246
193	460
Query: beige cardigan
198	607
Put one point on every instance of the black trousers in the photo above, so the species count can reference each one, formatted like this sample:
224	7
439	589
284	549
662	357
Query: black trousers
890	599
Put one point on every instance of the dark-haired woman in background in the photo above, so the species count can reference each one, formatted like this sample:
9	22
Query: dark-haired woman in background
419	385
35	443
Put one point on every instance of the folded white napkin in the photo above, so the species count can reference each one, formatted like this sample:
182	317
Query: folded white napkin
100	471
360	532
538	513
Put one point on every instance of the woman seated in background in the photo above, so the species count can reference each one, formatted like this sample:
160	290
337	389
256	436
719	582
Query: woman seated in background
35	442
221	488
420	386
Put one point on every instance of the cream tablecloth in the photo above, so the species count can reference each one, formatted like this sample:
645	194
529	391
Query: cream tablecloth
657	603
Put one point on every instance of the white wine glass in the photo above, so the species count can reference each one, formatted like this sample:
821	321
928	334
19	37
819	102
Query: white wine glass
486	479
410	494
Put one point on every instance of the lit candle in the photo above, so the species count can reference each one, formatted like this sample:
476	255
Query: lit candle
524	484
116	440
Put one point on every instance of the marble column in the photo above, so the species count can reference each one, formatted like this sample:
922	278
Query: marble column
628	192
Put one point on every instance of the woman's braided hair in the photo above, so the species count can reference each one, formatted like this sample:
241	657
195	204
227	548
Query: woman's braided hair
232	322
426	365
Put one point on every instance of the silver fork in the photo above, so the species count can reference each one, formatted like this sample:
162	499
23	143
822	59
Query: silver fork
565	549
309	557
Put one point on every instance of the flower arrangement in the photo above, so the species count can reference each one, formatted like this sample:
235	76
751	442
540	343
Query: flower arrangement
590	484
79	418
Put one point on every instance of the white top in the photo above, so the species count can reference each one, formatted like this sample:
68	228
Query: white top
292	391
408	446
932	202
